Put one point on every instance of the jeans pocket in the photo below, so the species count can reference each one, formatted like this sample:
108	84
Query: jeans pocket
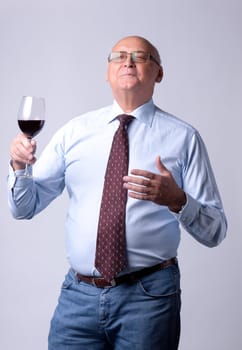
68	281
162	283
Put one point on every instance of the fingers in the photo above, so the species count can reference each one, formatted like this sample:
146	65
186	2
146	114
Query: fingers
142	181
141	186
136	184
140	196
144	173
22	151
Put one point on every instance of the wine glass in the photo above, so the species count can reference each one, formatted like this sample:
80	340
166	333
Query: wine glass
31	118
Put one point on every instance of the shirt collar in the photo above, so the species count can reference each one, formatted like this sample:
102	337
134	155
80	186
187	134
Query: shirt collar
144	113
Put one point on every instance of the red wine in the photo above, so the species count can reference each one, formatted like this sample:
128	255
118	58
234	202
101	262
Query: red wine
31	127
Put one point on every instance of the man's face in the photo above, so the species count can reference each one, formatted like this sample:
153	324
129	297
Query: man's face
138	77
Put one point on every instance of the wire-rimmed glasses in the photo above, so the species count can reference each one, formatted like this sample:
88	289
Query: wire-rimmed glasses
136	56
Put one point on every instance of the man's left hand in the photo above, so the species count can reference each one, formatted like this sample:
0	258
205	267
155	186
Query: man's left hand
160	188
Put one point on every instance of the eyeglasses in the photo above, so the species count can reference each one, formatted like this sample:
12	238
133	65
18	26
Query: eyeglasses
136	56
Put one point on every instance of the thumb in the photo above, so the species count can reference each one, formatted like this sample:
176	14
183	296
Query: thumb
160	166
33	142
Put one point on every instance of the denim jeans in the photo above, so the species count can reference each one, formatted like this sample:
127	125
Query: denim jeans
143	315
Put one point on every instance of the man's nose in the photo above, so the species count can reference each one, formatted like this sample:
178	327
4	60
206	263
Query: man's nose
129	62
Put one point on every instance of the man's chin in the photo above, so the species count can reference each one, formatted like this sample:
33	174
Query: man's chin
128	83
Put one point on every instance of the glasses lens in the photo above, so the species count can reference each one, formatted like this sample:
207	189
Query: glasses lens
139	56
117	56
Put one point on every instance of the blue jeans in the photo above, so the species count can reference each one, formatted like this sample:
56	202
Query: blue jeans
144	315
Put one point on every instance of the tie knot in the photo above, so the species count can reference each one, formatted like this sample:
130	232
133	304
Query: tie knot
125	119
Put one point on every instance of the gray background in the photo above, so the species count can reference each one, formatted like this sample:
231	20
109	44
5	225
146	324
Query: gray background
58	49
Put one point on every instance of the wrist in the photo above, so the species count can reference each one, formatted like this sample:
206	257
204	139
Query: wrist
17	165
178	207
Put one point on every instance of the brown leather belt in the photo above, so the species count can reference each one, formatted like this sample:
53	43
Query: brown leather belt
100	282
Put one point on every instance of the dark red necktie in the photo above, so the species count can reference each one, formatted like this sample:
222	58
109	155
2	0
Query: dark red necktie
111	241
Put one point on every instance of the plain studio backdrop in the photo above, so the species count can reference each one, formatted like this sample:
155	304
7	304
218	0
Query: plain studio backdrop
58	49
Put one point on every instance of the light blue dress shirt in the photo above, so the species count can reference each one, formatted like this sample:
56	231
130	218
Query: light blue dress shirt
76	159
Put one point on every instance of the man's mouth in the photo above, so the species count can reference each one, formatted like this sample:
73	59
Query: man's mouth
127	73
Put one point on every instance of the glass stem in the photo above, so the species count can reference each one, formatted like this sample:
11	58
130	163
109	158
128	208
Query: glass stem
26	171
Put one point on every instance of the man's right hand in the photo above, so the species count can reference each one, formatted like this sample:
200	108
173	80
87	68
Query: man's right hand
22	151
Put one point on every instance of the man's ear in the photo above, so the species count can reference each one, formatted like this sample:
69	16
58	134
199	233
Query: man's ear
159	75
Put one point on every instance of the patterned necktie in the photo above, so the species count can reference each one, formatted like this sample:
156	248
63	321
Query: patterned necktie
111	241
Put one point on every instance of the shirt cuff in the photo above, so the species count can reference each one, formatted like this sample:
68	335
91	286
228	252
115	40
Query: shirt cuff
17	176
188	211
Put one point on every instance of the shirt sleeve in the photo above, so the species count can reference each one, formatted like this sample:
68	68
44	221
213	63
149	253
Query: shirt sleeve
203	215
27	196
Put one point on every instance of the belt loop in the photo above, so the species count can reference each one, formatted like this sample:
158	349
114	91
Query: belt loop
93	281
113	282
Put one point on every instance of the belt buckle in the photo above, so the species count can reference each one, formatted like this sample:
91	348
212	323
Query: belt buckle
94	281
